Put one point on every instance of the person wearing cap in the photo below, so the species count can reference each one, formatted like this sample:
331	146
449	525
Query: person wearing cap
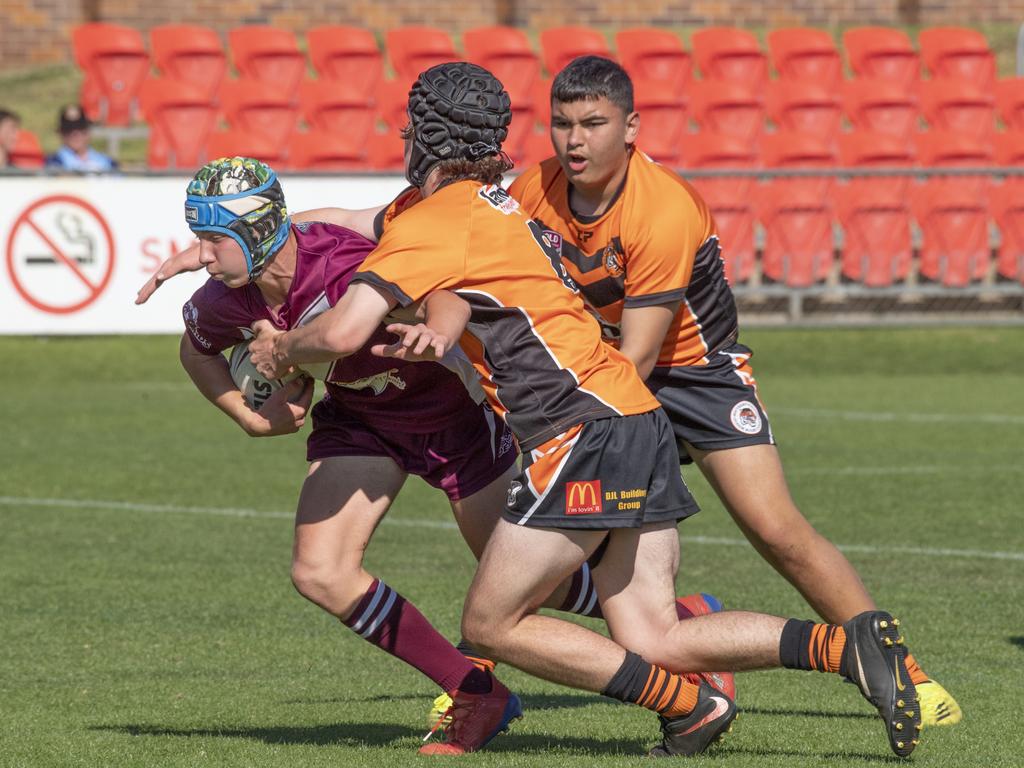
75	154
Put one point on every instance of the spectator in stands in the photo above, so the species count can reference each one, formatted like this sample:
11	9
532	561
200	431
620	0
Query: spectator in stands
10	124
75	154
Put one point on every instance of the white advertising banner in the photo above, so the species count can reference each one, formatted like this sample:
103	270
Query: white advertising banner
76	250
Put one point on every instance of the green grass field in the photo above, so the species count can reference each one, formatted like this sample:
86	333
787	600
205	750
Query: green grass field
147	618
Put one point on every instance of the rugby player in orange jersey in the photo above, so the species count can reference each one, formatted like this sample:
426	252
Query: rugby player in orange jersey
600	460
643	248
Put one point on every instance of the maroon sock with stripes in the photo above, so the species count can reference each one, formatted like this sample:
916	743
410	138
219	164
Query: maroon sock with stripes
389	621
582	596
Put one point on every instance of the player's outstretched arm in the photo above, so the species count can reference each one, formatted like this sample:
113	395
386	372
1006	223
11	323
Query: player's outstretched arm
340	331
643	333
284	412
183	261
360	221
445	316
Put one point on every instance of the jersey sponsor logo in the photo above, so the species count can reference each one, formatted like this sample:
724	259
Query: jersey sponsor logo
499	199
582	235
378	382
513	490
612	260
583	497
191	314
553	240
746	418
507	441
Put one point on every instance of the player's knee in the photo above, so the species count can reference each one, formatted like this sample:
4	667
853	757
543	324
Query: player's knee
480	629
319	582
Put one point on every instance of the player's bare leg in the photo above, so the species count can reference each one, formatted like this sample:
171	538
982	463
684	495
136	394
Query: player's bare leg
751	484
478	515
639	606
342	502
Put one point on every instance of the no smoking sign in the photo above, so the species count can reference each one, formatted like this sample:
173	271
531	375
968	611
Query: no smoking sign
60	254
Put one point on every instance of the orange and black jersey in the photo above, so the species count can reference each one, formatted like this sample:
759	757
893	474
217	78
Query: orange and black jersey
537	348
655	244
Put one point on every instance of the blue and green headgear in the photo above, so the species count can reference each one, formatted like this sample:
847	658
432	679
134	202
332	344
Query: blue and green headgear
240	197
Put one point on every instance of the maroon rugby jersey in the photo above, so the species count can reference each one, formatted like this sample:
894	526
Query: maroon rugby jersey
386	394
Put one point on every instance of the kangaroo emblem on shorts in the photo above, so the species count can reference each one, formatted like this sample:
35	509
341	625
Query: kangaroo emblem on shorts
378	382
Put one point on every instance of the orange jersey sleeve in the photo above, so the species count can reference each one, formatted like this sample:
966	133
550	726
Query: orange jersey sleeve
426	253
407	198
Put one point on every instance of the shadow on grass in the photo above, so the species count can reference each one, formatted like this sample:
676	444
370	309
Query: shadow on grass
867	757
805	713
380	735
1017	640
531	701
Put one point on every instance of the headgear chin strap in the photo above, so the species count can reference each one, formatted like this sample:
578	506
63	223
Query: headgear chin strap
240	197
457	110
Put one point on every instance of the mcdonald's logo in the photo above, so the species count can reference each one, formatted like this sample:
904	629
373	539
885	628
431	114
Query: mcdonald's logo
583	497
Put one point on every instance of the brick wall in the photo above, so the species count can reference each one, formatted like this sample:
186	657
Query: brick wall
39	31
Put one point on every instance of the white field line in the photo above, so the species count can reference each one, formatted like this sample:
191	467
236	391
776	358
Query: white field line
127	506
1009	419
810	413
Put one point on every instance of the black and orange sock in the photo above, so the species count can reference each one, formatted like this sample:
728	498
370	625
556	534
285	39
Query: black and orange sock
476	658
652	687
812	646
914	670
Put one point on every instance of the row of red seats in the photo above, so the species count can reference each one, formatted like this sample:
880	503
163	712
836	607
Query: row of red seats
876	216
115	61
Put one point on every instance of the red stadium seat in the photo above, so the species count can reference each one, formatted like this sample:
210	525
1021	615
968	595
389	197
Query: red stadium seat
524	120
1010	101
338	107
412	50
1008	211
253	107
181	118
728	108
883	54
27	151
392	102
654	54
663	119
386	152
945	149
89	95
116	63
805	108
190	54
541	96
731	200
268	54
506	52
790	150
560	45
877	245
866	149
246	144
954	229
726	53
880	106
535	149
1010	148
954	105
326	151
346	55
958	53
798	236
806	55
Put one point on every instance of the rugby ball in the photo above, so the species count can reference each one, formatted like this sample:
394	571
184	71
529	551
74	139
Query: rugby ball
254	387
